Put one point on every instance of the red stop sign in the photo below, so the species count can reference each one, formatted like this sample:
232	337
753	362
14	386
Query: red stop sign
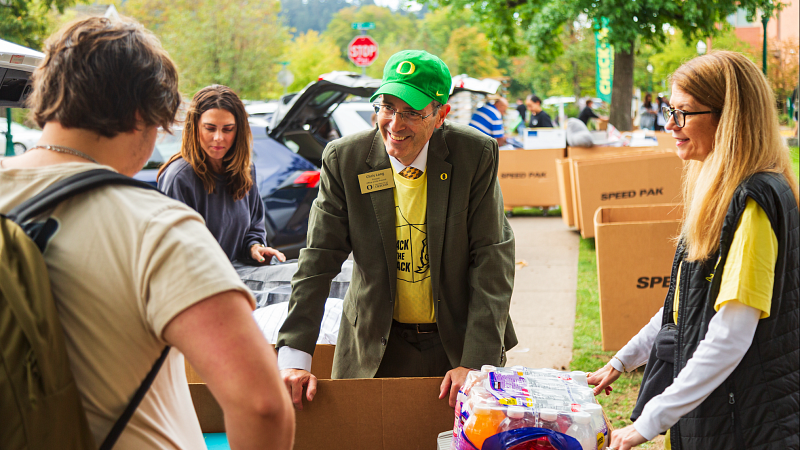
363	50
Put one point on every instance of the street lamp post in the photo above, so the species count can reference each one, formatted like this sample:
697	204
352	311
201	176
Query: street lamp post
9	138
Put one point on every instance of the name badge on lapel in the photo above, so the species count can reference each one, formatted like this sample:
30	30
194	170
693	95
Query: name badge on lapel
376	181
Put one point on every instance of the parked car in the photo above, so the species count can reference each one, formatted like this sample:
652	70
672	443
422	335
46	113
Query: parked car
261	110
22	136
16	65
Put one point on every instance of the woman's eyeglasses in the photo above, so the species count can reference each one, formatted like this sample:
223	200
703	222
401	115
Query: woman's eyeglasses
680	115
387	112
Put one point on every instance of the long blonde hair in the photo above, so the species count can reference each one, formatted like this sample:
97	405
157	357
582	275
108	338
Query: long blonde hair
747	141
236	163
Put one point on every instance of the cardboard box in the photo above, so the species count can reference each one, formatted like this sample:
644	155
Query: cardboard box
634	259
542	138
379	413
604	152
528	177
647	178
578	155
565	191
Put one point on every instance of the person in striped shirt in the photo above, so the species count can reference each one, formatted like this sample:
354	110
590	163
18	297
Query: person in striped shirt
489	119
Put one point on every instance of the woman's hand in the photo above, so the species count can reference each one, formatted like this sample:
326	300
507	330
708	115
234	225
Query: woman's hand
625	438
603	378
261	254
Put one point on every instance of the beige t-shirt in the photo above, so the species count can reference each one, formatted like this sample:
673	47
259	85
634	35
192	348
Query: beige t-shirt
123	263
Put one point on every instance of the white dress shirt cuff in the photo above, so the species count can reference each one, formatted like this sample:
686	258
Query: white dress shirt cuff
291	358
617	364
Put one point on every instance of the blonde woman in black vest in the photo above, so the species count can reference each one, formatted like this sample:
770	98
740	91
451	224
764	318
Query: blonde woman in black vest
722	354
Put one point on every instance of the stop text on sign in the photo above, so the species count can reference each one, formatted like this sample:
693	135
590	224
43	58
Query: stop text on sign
363	50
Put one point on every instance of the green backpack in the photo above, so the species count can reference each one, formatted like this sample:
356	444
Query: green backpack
40	404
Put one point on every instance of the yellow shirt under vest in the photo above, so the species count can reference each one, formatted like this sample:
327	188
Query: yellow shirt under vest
414	296
749	272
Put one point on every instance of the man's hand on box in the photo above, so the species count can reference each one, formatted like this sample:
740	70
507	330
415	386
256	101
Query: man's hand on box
296	380
453	380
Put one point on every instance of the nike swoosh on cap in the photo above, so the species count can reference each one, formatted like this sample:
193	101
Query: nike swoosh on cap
438	94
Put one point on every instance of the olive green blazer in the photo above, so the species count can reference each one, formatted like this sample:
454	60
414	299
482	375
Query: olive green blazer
470	249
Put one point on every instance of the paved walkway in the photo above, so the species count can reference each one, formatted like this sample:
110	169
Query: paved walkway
543	302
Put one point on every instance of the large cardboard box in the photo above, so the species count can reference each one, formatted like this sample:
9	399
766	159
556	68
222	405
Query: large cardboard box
528	177
565	191
647	178
379	413
605	152
577	219
634	259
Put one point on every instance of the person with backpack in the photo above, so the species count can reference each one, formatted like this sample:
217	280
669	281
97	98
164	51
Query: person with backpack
131	271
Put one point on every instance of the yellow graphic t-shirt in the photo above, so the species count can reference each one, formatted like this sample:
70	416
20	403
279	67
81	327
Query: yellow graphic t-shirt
414	297
749	273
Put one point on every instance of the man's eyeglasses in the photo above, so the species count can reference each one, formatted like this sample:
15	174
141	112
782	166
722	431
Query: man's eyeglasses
680	115
387	112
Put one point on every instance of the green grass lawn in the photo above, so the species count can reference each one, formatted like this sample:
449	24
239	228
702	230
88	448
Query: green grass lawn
586	347
795	151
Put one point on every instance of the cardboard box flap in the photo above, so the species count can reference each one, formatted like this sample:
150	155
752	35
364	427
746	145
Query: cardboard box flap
321	364
610	215
379	414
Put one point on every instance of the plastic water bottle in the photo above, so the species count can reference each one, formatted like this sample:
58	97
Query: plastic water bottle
548	418
482	424
518	417
580	378
581	430
599	426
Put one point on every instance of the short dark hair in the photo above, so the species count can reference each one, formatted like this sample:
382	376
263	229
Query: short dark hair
589	102
98	72
534	99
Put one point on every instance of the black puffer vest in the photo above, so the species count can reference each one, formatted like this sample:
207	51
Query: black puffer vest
758	406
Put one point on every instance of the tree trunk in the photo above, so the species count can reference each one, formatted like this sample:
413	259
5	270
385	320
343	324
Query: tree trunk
622	90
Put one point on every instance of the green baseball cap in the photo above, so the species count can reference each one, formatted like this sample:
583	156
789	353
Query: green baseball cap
415	77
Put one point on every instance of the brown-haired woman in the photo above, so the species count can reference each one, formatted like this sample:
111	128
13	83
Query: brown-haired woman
722	354
214	174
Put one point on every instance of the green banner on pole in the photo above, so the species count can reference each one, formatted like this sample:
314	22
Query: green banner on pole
604	62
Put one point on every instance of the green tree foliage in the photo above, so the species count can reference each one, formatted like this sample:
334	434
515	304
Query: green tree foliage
632	24
470	52
311	55
237	43
437	26
677	50
392	29
27	22
573	74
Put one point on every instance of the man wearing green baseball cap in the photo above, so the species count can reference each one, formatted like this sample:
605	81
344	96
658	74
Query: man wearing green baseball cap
417	203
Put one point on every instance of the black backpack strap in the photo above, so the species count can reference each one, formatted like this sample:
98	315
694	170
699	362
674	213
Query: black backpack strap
64	189
48	199
119	426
